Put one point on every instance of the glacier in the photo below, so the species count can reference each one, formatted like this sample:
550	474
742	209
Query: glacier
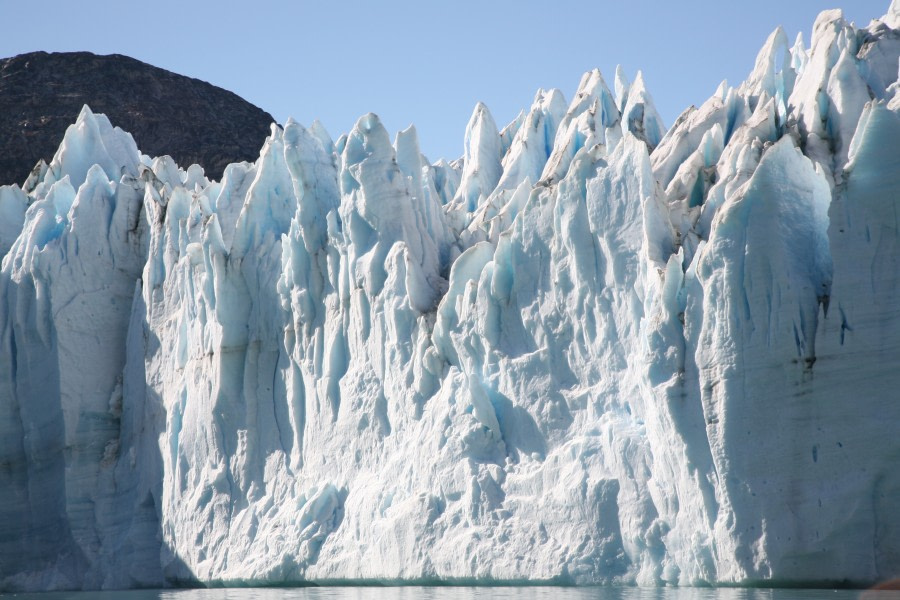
593	350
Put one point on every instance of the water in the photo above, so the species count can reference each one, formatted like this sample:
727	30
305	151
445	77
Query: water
467	593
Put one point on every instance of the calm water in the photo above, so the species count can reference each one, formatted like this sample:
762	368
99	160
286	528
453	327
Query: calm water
466	593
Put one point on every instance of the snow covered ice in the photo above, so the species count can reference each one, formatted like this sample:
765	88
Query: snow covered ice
593	350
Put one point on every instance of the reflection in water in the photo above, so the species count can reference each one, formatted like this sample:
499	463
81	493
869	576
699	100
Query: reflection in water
521	593
469	593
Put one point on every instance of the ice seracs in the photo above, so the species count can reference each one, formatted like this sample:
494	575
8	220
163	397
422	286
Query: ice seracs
592	350
481	161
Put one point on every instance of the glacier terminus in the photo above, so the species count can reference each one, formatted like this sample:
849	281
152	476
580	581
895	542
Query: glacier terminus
593	350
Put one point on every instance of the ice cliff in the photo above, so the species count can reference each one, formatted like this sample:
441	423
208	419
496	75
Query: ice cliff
593	350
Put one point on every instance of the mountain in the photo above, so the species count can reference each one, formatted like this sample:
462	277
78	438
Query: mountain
194	122
594	350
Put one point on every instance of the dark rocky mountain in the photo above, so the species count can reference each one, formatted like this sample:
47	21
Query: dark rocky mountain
193	121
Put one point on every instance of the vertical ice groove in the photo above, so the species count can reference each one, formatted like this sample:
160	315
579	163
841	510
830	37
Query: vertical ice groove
13	203
508	134
849	94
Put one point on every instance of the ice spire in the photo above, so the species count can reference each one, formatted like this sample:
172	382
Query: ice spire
534	141
892	18
482	169
621	85
358	388
772	73
270	202
592	112
799	55
640	114
93	140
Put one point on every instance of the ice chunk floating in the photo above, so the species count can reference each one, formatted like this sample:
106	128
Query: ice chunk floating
592	350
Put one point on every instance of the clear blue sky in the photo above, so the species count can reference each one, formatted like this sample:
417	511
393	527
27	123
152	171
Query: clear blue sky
423	62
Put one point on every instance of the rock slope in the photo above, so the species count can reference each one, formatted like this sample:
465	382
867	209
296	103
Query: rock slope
194	122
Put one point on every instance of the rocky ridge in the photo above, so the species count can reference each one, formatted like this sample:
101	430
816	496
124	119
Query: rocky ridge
192	121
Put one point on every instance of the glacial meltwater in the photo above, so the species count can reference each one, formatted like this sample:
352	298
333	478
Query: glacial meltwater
469	593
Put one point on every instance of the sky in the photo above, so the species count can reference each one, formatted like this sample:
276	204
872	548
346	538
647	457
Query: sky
423	62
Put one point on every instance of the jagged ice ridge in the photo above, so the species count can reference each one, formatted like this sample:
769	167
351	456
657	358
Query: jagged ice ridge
593	350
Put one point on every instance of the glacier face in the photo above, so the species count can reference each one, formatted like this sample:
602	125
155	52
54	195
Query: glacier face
593	350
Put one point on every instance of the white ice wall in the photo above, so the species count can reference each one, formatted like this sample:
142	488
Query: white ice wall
591	351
